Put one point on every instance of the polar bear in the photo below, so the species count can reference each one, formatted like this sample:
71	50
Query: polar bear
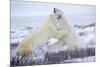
55	26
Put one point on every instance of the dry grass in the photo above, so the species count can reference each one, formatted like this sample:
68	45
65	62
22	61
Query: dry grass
53	58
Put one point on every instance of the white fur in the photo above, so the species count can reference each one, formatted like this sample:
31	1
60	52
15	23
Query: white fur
55	27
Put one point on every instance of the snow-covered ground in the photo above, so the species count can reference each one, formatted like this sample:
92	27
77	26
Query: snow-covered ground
85	59
87	34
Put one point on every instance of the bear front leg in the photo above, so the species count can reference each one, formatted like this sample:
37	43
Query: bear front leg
24	51
24	48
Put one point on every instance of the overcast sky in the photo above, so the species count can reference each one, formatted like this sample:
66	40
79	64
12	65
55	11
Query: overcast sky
20	8
75	13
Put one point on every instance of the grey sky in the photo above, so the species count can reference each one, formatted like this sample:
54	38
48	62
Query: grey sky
74	13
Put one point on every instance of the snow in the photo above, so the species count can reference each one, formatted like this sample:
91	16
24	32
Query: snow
18	34
85	59
89	37
51	41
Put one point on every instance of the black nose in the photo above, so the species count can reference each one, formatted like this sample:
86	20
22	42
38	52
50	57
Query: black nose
54	10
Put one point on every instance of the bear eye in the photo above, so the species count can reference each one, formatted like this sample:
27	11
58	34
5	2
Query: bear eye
59	16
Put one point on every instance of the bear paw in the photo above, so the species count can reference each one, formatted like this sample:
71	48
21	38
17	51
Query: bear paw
24	53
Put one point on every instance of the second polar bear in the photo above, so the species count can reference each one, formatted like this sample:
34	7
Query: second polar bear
55	26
